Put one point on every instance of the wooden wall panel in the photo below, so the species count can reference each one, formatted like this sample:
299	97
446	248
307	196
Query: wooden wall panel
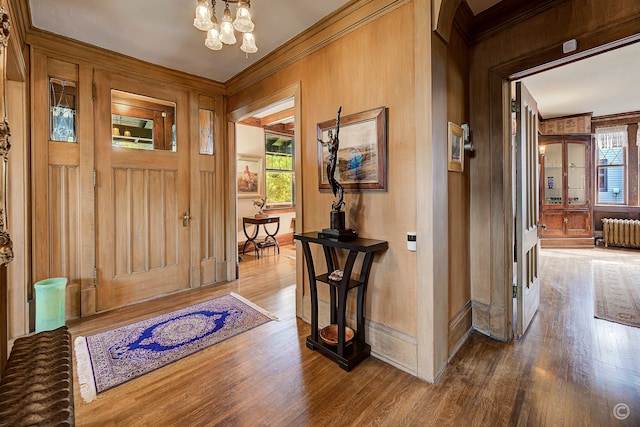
207	227
207	215
459	274
63	214
346	72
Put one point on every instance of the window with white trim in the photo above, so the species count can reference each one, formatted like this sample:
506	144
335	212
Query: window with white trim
280	180
611	164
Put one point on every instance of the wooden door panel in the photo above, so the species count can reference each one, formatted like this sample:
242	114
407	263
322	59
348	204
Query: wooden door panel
147	285
579	223
146	220
554	223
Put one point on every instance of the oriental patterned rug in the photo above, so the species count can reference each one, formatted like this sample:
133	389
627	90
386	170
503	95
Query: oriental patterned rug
616	290
110	358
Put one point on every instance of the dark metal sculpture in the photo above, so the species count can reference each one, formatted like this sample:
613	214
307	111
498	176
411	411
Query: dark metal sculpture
333	145
337	229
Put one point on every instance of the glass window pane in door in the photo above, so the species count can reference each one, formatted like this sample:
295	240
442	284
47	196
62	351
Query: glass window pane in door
553	174
576	170
206	131
62	104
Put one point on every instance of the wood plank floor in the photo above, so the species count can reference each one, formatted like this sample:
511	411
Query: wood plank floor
569	369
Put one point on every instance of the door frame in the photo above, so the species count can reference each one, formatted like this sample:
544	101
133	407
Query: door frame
293	91
500	79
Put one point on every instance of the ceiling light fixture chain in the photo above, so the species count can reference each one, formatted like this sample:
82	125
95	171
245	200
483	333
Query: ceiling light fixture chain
205	20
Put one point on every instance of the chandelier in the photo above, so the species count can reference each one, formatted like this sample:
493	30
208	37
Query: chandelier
206	20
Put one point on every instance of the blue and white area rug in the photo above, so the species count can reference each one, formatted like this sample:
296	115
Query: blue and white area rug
110	358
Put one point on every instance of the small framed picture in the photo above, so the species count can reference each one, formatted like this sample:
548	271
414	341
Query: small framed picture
249	176
455	148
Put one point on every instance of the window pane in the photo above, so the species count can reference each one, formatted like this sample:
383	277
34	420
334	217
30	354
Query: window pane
576	159
142	123
63	110
278	162
611	156
553	174
611	184
279	187
206	131
279	169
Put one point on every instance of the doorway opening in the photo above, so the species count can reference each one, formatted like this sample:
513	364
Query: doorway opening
265	179
576	96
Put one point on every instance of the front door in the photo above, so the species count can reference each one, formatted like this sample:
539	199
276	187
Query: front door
142	191
527	242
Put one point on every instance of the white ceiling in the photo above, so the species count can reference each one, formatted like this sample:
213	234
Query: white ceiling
603	84
161	32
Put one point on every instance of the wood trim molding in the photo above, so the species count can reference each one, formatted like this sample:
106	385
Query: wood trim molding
613	119
16	63
460	327
507	13
387	344
79	52
444	17
345	20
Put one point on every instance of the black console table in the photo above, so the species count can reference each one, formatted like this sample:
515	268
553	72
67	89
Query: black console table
347	355
268	241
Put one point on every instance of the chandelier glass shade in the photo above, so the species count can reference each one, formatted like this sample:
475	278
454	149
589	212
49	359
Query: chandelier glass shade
205	20
248	43
202	21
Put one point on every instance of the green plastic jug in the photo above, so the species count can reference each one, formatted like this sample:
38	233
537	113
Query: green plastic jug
50	303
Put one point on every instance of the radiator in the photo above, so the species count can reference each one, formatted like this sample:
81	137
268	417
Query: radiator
621	232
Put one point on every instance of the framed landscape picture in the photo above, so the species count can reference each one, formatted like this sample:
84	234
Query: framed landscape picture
362	154
249	176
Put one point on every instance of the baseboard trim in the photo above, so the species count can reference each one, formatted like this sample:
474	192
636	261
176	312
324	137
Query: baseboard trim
387	344
489	320
460	327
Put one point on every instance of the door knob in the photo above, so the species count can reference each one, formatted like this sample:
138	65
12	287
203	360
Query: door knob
185	219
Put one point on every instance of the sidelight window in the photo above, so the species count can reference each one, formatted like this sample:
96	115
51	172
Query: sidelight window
62	105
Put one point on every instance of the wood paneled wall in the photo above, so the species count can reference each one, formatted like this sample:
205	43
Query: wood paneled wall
348	72
528	43
62	188
457	108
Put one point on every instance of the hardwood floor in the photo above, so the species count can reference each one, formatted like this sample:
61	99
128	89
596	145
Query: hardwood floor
569	368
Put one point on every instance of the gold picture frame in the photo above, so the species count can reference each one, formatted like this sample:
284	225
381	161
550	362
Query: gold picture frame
249	176
455	149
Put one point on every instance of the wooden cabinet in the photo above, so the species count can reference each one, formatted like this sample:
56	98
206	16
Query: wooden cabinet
565	190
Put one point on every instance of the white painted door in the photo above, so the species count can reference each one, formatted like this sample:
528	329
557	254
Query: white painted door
527	242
